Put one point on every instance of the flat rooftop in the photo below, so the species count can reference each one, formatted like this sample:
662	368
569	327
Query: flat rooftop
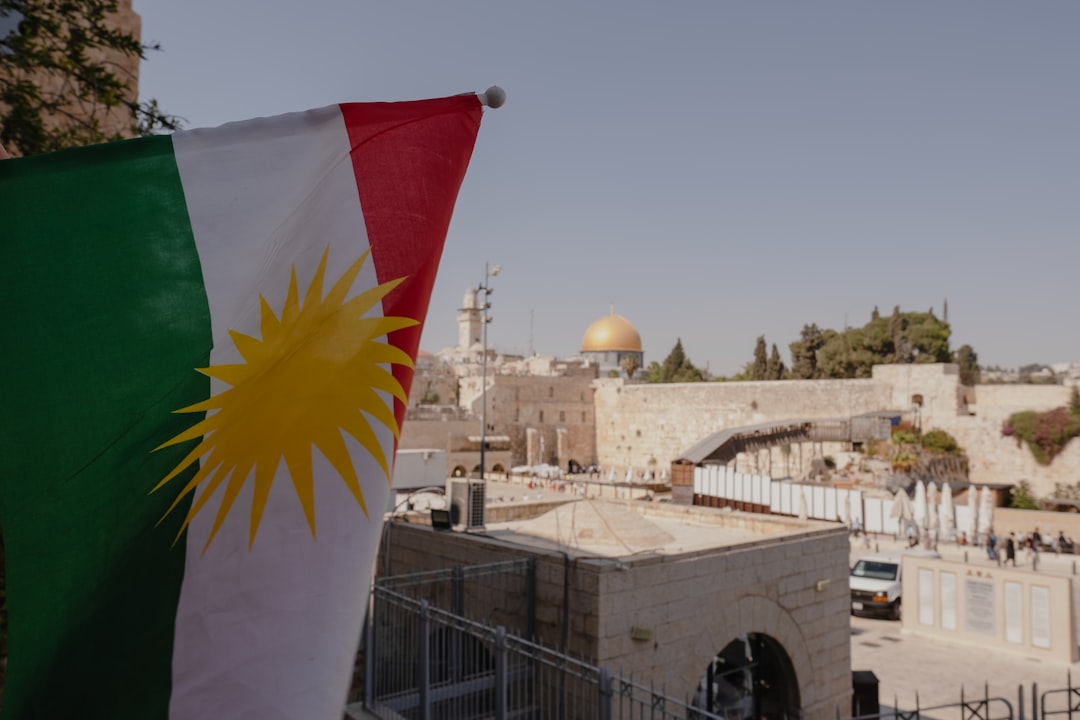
628	529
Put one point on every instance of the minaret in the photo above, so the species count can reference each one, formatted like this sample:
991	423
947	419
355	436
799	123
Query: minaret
468	321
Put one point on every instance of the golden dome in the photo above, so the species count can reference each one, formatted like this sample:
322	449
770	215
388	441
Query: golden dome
611	332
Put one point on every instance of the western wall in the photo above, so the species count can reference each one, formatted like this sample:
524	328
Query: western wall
649	425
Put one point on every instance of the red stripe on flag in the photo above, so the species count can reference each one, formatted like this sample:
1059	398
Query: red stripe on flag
409	159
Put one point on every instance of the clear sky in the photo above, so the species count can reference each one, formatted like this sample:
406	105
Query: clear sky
715	170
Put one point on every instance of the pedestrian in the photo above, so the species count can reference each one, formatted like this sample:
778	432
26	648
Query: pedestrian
991	546
1010	549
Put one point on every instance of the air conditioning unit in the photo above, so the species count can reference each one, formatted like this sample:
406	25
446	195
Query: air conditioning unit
466	503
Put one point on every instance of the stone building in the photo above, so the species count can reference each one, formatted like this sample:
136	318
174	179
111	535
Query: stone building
610	342
676	597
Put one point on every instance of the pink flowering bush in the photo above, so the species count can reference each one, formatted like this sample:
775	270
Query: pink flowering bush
1046	433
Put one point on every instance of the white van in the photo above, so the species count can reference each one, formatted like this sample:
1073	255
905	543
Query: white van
875	583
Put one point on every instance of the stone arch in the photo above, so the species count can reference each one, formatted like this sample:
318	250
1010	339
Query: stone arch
752	614
751	677
459	471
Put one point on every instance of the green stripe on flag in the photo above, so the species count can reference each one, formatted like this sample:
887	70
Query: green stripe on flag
106	319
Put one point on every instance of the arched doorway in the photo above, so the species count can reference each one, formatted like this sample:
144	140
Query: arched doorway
751	678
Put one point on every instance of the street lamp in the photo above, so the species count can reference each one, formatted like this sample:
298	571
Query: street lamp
484	292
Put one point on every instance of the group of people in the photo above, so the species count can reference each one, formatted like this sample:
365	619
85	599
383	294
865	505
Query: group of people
1031	544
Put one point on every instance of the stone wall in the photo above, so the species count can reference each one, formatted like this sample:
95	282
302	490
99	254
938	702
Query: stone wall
793	590
645	424
997	459
649	425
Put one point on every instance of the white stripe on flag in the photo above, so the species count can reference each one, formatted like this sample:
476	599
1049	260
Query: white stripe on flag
271	633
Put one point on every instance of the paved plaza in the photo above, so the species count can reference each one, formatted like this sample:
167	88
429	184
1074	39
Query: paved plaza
932	672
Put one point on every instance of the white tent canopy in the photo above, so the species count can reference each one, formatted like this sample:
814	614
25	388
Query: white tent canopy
946	513
902	511
986	511
973	512
920	510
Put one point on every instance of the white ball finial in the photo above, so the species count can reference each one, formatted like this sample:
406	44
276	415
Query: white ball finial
493	97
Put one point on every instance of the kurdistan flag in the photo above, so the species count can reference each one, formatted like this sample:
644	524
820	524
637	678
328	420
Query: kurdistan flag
209	342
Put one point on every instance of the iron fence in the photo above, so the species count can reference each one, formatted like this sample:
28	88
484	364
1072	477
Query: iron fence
497	593
967	708
426	663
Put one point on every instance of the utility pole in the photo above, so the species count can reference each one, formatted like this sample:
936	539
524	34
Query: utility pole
484	293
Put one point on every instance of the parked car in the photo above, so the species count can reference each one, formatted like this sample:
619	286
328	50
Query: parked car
876	584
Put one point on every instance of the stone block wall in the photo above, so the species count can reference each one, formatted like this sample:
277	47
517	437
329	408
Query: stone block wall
638	424
792	589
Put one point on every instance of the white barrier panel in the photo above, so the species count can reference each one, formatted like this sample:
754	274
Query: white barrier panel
755	489
766	490
818	511
856	506
785	498
832	505
775	503
698	484
737	496
872	522
729	484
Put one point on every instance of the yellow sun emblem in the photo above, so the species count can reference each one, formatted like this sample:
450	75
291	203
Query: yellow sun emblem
313	376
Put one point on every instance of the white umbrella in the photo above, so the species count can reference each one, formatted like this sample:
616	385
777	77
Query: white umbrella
932	519
803	511
630	474
920	512
843	508
613	476
973	512
902	510
945	513
986	512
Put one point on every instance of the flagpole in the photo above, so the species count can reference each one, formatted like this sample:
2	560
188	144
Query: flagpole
493	97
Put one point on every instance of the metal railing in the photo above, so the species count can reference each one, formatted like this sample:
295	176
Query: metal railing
425	663
497	593
968	708
1052	703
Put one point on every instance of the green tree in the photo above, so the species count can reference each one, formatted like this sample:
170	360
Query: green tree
1023	498
901	338
676	368
1074	401
774	369
62	78
675	360
968	361
760	369
940	441
630	365
804	352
